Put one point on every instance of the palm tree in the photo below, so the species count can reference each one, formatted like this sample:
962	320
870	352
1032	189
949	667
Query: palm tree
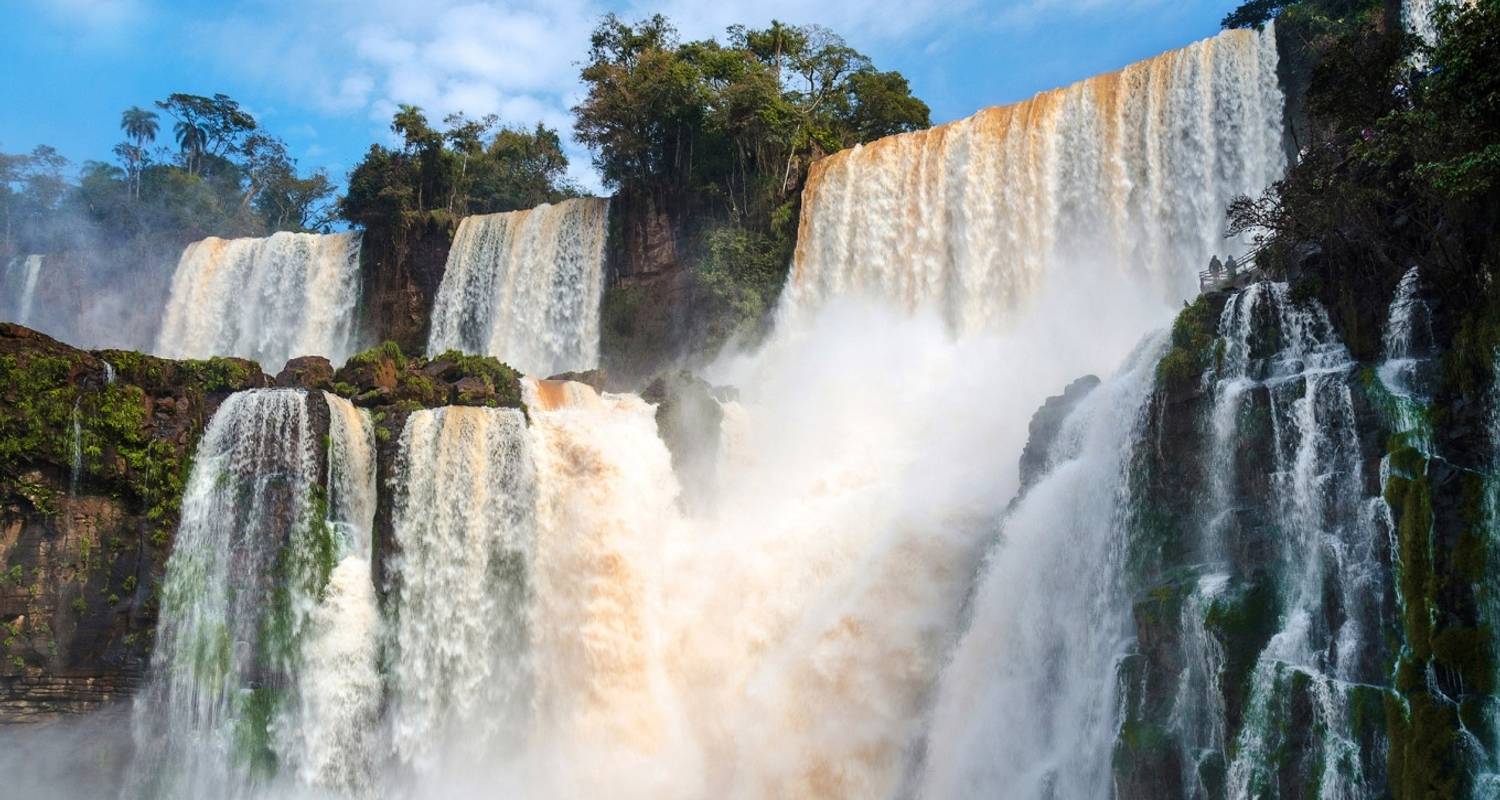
140	127
191	138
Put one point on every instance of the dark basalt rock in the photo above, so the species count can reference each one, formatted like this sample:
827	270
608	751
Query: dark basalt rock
306	372
689	419
82	558
598	379
1046	423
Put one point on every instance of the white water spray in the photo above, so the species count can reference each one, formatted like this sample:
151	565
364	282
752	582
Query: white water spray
327	734
463	515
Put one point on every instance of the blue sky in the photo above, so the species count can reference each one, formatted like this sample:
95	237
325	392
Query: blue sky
326	74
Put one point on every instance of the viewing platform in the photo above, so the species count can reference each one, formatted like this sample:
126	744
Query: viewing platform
1230	273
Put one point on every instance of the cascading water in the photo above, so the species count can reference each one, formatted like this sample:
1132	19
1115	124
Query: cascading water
463	516
558	623
1025	704
1283	361
222	655
1487	782
1407	351
20	279
270	299
525	286
1124	175
262	658
327	732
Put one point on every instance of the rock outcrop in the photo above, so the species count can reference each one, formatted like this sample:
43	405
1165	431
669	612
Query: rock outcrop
94	451
1046	424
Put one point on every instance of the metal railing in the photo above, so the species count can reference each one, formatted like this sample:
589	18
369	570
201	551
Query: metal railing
1247	270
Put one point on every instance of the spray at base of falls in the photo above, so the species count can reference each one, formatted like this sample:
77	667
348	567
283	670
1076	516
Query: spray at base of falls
1124	173
270	299
525	287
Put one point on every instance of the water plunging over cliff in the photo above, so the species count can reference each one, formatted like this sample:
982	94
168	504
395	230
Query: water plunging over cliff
852	610
524	286
270	299
1025	706
220	652
19	283
327	733
1124	175
463	517
247	637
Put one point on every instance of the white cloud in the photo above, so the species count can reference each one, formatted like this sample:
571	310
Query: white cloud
520	58
96	22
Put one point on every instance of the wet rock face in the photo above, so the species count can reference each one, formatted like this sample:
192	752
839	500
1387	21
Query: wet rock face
1046	423
402	270
689	419
95	449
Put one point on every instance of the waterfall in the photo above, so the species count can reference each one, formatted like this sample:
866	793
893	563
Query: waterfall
464	519
1407	352
1024	706
859	610
229	604
525	286
20	280
1416	16
270	299
327	733
1328	570
75	450
1487	782
1124	176
265	657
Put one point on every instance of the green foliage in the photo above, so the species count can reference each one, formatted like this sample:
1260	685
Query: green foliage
471	167
1402	168
737	121
741	275
1192	347
227	177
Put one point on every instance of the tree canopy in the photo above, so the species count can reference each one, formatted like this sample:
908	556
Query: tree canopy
468	167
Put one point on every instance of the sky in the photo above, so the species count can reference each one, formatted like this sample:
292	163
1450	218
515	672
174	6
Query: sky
325	75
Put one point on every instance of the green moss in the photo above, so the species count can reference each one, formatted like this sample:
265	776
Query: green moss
385	351
252	731
219	374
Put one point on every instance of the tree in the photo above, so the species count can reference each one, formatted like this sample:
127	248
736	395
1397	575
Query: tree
140	128
206	126
455	171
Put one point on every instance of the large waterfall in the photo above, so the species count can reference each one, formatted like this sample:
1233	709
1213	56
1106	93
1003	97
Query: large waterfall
859	605
19	282
464	527
270	299
252	621
1123	178
524	286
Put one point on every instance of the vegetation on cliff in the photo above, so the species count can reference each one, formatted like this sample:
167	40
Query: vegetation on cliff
719	136
469	167
1398	168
